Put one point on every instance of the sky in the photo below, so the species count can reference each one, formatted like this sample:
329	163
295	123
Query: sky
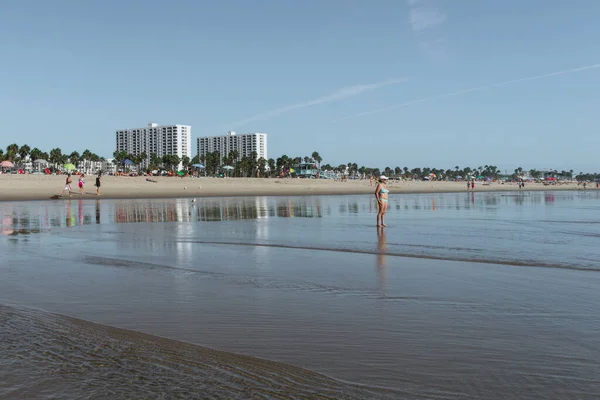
415	83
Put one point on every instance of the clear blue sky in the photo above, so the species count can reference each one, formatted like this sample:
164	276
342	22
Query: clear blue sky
309	73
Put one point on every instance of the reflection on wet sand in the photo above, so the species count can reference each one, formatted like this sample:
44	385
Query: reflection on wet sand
19	218
217	210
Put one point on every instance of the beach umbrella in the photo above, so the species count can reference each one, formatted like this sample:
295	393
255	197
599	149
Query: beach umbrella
227	167
69	167
40	161
181	173
128	162
197	165
7	164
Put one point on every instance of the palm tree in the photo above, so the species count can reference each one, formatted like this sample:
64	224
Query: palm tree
55	156
271	164
1	155
35	154
262	165
85	157
317	157
74	158
24	152
12	151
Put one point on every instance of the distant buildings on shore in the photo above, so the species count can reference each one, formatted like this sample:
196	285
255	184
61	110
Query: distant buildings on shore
245	144
154	139
177	140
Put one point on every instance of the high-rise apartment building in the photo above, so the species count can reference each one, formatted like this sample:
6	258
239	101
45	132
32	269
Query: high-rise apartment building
154	139
245	144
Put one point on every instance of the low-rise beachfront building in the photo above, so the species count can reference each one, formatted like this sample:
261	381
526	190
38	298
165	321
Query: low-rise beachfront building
245	144
88	167
154	139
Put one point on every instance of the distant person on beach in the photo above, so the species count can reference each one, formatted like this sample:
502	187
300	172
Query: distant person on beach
381	195
472	185
468	186
81	183
98	183
67	186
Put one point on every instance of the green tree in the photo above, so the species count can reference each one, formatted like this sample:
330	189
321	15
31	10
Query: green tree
55	156
35	154
317	157
262	165
12	151
272	166
74	158
24	152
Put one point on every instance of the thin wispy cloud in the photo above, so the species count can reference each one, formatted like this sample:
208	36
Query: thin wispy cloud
422	18
471	90
338	95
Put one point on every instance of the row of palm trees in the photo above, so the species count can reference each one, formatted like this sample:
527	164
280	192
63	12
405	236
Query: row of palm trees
21	154
254	166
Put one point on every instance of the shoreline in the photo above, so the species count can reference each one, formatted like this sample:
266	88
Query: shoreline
48	187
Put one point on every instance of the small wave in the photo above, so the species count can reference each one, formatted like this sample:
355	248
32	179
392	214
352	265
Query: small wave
44	355
265	283
516	263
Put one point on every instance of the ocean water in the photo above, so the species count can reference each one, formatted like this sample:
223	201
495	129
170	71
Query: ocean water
462	296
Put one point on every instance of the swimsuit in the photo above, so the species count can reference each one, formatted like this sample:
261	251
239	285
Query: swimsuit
383	190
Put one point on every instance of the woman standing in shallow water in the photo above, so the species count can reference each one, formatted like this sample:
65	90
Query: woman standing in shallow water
381	195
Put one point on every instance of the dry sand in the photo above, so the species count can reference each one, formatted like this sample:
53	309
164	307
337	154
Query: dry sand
41	187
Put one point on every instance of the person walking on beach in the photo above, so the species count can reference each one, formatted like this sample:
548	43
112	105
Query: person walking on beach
472	185
468	186
67	186
381	195
81	183
98	183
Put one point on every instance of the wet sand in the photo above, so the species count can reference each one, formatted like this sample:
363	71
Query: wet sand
42	187
46	355
306	282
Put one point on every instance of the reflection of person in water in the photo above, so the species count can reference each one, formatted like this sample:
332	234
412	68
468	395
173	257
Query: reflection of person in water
69	220
381	259
80	210
97	211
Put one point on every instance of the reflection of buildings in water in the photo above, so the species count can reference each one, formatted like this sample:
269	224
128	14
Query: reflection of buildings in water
261	253
381	260
299	208
172	211
262	207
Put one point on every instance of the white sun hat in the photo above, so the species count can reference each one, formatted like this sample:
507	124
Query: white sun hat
383	178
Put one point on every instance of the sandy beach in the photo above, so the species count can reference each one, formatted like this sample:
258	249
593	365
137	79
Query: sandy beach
41	187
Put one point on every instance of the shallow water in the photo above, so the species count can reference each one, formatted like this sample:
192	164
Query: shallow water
463	296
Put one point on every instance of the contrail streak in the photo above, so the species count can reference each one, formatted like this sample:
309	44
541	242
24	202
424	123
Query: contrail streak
340	94
475	89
